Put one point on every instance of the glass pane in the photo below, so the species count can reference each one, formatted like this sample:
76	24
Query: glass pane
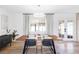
61	29
40	28
70	29
32	28
44	28
37	28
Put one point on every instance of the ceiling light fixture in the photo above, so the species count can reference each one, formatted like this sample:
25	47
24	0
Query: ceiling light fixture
38	5
39	15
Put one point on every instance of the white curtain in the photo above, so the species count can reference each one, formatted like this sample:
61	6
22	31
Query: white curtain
49	19
26	24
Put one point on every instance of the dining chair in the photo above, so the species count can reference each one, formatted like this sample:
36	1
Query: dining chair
49	43
28	43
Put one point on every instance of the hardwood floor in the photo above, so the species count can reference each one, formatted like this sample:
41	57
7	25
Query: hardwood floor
15	48
67	47
62	47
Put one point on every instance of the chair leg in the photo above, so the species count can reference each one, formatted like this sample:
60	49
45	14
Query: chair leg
51	49
36	50
24	49
41	49
54	48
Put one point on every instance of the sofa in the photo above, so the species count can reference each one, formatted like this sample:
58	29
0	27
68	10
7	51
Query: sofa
5	40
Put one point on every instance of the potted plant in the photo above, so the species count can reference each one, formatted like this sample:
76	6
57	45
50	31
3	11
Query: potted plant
14	34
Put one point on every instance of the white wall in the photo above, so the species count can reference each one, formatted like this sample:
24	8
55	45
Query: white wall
5	13
0	25
77	24
15	21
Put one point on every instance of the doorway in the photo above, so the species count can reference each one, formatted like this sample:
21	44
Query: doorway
66	29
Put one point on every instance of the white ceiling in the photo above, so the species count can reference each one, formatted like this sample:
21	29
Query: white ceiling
42	8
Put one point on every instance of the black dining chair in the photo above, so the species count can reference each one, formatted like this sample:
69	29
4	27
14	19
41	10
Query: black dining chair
50	43
28	43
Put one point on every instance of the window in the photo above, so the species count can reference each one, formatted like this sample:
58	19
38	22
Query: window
37	26
32	28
